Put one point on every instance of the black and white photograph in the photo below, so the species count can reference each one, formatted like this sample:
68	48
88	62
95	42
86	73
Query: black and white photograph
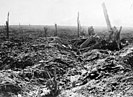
66	48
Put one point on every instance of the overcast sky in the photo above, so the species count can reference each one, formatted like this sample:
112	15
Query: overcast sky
64	12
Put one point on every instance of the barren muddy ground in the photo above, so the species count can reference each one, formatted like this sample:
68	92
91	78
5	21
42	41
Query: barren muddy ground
58	67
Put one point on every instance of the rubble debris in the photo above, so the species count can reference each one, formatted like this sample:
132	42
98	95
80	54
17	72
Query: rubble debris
89	66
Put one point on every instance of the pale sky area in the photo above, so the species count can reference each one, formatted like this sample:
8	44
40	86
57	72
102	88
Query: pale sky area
64	12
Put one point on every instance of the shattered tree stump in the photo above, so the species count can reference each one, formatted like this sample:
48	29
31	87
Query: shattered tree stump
91	31
114	34
117	37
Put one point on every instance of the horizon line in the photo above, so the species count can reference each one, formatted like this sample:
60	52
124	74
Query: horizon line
60	25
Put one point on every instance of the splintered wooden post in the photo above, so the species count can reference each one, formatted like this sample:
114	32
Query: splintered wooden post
7	26
55	34
78	26
106	17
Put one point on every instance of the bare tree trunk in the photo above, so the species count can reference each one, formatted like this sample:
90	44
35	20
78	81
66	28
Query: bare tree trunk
56	31
7	26
110	30
106	17
78	26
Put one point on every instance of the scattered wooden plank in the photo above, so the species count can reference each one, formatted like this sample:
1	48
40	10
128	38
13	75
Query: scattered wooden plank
87	41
